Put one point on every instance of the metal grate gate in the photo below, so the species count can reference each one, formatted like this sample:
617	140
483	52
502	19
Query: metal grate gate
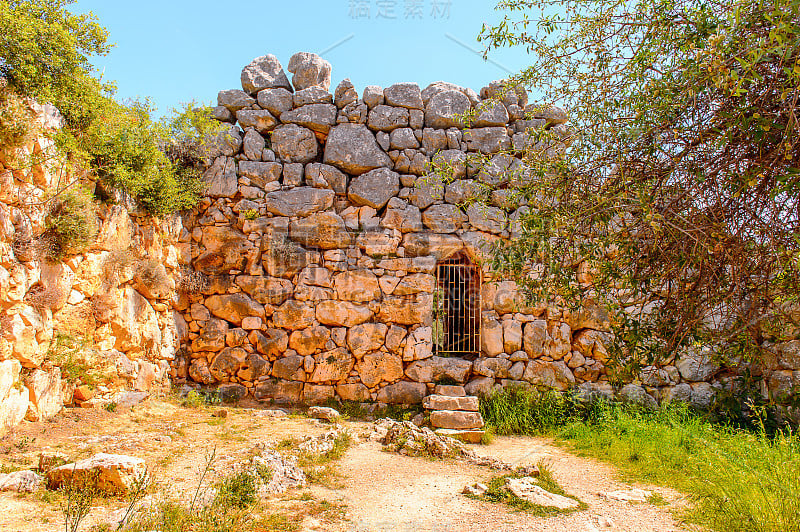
457	308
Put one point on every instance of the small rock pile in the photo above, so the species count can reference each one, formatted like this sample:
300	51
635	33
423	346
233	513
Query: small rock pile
403	437
455	414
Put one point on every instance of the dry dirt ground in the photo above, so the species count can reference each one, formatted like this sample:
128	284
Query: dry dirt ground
375	490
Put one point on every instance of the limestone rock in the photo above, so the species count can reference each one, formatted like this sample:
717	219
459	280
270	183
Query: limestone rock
300	201
294	144
134	323
227	363
407	310
373	95
452	419
221	178
357	285
446	109
365	338
324	230
262	121
443	218
260	173
635	394
276	101
441	246
20	482
289	368
374	188
404	95
487	140
264	72
309	70
490	113
486	218
436	368
403	392
697	365
46	397
342	313
442	402
279	391
110	473
353	392
377	367
320	117
386	118
293	315
234	307
332	366
309	341
353	149
252	146
234	100
266	290
525	488
326	176
321	412
345	94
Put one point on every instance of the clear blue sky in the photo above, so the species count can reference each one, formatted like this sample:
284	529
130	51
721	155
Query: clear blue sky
174	51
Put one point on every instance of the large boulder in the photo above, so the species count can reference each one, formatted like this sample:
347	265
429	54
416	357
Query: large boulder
697	365
225	250
407	310
404	95
374	188
46	397
403	392
353	149
109	473
293	315
227	363
357	285
266	290
234	307
342	313
386	118
320	117
332	366
260	173
134	323
309	70
326	176
309	341
366	337
264	72
378	367
220	178
294	144
443	218
487	140
446	109
276	101
324	230
300	201
262	121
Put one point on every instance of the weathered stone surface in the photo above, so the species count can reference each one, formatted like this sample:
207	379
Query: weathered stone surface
293	315
332	366
319	117
21	482
353	149
436	368
487	140
266	290
254	368
326	176
366	337
294	144
234	307
262	121
378	367
443	402
264	72
309	70
212	336
466	436
486	218
419	344
134	323
252	146
374	188
353	392
534	338
342	313
199	372
260	173
555	375
345	93
300	201
525	488
403	392
490	113
403	138
227	363
220	179
234	100
225	250
404	95
324	413
110	473
373	95
289	368
407	310
491	338
696	365
446	109
497	368
271	342
443	218
309	341
458	192
427	191
279	391
357	285
480	386
45	394
452	419
312	95
402	217
324	230
386	118
450	390
276	101
635	394
414	284
441	246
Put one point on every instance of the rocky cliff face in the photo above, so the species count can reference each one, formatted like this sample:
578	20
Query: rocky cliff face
105	313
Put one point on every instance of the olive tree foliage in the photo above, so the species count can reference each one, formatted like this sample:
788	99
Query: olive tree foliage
46	54
671	199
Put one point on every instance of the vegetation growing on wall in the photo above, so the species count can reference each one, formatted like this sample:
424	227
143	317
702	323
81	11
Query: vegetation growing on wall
677	197
45	54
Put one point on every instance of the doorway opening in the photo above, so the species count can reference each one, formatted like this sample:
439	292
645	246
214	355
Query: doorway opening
457	307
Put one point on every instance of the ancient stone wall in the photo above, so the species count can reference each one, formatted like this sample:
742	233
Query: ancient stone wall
114	297
322	229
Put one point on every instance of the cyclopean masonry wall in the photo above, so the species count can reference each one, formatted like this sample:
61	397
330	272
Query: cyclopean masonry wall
316	246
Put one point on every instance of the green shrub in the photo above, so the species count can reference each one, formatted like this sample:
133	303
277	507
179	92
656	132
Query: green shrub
236	491
69	353
71	224
15	119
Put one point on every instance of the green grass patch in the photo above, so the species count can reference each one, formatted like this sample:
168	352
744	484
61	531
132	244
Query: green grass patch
739	481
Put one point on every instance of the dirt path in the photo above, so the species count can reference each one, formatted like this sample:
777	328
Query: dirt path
382	491
387	492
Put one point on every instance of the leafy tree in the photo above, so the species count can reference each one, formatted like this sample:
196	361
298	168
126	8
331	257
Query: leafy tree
45	54
675	191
